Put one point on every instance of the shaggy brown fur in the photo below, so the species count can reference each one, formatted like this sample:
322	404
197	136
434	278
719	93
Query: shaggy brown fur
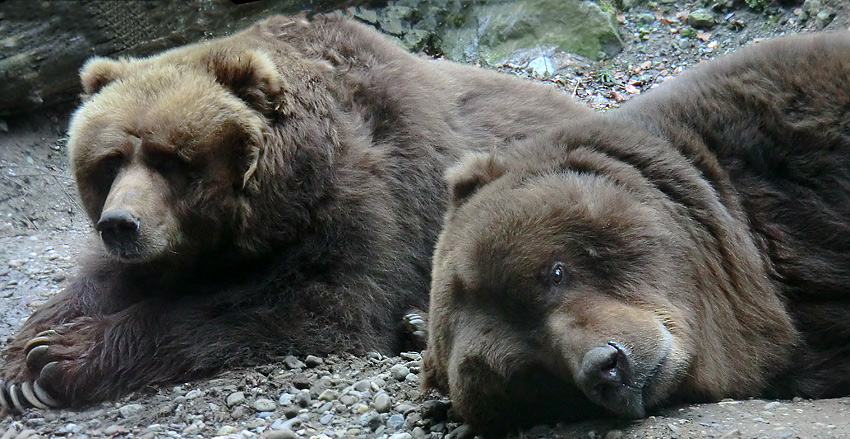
692	245
275	191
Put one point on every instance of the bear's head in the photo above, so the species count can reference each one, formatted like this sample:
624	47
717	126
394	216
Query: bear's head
169	152
555	289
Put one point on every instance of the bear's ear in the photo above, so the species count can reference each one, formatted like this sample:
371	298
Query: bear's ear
97	72
250	75
472	173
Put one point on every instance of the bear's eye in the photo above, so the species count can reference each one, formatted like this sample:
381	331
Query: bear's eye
166	163
558	273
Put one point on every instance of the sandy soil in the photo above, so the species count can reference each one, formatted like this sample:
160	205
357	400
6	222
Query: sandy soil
42	229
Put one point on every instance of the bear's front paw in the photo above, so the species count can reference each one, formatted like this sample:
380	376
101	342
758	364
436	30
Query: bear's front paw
54	360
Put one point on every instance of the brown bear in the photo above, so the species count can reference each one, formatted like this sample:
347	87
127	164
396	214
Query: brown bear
277	191
692	245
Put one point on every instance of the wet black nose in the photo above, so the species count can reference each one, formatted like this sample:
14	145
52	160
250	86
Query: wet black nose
604	366
118	226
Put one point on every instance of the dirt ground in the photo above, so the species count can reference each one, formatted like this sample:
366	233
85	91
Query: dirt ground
43	229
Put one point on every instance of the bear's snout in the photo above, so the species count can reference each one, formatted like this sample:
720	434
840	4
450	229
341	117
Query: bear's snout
606	377
119	229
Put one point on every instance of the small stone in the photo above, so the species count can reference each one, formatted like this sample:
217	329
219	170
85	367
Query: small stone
293	363
701	19
772	405
383	403
290	412
348	400
362	408
411	378
264	405
194	394
404	408
463	431
301	381
280	434
542	66
395	421
326	419
418	433
328	395
234	399
224	430
131	410
399	372
403	435
435	410
374	422
111	430
362	385
303	399
313	361
614	434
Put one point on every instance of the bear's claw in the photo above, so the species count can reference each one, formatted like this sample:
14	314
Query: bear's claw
17	397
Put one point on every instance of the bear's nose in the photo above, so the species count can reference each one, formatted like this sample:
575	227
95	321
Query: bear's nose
605	366
118	226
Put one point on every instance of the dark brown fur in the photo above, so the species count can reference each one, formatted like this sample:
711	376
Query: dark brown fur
286	185
692	245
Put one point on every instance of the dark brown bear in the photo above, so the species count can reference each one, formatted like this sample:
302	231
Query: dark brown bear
690	246
275	191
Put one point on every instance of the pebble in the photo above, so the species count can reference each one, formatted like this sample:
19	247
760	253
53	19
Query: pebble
131	410
772	405
234	399
401	436
395	421
313	361
399	372
293	363
280	434
463	431
348	400
701	19
303	399
383	403
264	405
329	395
362	385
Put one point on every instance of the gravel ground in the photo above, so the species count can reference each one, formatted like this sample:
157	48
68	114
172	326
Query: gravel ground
42	229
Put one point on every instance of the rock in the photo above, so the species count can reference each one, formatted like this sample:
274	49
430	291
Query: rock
326	419
463	431
395	421
131	410
293	363
362	385
399	372
328	395
348	400
614	434
234	399
280	434
435	410
542	66
303	399
264	405
418	433
290	412
313	361
383	403
701	19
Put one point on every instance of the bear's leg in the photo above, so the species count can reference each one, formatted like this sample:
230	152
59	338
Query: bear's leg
90	359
